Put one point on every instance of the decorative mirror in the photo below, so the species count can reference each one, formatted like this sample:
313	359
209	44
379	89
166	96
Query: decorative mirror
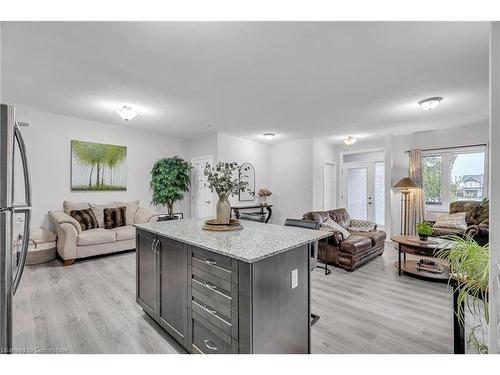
247	173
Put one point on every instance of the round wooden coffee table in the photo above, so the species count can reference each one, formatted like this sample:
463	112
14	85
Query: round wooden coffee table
413	245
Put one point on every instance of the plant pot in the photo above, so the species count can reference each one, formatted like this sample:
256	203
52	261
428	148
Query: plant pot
262	200
423	237
223	210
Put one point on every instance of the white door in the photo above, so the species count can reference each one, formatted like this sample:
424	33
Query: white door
329	183
201	197
363	190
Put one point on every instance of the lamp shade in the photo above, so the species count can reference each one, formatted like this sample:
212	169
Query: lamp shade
405	183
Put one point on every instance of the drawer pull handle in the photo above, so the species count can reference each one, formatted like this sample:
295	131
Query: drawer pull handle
210	345
209	310
210	286
210	261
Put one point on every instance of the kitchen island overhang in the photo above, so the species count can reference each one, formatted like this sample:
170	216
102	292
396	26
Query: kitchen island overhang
246	291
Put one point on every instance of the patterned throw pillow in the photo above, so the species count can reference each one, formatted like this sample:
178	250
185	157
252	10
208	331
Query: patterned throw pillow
331	225
453	221
86	218
115	217
357	225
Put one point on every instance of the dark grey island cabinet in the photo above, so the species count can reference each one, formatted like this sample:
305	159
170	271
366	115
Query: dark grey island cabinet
228	301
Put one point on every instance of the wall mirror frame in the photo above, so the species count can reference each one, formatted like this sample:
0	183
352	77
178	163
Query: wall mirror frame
247	173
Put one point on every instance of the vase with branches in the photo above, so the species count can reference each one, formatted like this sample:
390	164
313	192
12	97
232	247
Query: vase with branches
170	179
469	269
223	179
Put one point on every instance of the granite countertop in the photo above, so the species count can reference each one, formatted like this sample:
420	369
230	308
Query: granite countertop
255	242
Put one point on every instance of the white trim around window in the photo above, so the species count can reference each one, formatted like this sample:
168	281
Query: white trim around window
445	155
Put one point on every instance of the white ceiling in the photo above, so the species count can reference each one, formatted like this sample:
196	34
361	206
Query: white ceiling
325	79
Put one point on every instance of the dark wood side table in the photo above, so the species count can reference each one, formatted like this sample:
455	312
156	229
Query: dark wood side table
267	207
413	245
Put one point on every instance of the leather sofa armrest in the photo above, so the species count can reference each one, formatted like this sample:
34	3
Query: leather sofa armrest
61	217
336	237
145	215
474	230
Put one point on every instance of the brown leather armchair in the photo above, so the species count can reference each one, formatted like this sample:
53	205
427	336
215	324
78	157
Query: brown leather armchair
359	248
477	219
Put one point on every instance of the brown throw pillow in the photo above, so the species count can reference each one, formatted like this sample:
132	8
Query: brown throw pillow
86	218
115	217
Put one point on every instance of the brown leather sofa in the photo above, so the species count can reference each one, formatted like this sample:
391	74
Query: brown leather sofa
477	219
358	249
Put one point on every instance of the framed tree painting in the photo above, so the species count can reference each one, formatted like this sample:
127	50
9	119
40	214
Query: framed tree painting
98	166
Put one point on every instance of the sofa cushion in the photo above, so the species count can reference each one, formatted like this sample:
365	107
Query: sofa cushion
452	221
131	210
114	217
124	233
99	211
341	216
355	244
375	236
85	218
447	232
96	236
474	211
70	206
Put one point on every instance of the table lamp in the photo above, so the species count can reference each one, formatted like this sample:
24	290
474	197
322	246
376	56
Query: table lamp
404	186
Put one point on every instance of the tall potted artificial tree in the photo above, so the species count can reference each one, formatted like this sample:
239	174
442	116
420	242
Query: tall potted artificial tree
223	179
170	179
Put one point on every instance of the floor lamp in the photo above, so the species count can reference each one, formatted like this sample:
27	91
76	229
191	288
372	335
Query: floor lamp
404	186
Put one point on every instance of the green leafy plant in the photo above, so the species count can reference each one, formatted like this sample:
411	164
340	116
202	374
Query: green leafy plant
223	179
485	203
170	179
424	228
469	267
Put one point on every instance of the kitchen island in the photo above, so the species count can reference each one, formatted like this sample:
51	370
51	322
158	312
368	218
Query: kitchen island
244	291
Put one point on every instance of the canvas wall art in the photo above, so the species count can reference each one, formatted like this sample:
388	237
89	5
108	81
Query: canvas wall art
98	166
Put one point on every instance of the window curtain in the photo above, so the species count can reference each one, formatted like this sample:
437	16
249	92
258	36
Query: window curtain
416	196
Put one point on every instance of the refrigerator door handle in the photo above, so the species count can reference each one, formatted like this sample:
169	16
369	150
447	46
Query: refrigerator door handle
24	250
24	159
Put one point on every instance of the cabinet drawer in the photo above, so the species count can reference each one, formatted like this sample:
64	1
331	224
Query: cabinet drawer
212	282
210	314
223	310
212	267
230	301
209	339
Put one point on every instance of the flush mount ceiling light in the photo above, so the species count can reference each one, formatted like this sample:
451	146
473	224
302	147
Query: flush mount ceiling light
268	136
350	140
430	103
126	112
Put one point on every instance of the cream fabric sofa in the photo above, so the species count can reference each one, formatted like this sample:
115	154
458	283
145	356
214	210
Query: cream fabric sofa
73	243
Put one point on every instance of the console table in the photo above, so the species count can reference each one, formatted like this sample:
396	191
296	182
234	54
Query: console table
267	207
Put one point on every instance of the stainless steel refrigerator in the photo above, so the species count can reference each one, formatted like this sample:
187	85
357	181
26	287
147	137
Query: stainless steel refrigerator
15	204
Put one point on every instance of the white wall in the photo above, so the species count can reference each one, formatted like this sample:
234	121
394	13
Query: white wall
494	190
291	179
49	151
322	151
203	146
231	148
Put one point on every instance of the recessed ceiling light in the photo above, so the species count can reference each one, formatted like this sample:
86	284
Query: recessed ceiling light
430	103
350	140
268	136
126	112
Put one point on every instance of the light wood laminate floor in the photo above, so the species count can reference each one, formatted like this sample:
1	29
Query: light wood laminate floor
90	307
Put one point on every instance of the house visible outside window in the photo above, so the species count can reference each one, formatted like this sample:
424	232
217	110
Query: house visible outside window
454	174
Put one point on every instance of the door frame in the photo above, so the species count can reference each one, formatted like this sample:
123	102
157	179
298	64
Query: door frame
191	193
334	187
342	181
